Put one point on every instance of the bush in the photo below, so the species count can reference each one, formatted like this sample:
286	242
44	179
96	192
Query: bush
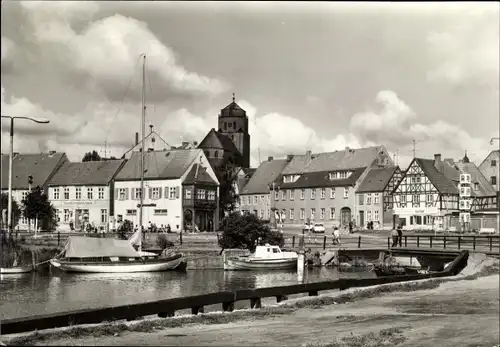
124	228
163	242
243	231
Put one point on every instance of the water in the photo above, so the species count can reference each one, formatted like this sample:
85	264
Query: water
44	293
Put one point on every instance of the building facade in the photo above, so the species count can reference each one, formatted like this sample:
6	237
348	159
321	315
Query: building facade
82	194
321	187
35	168
490	168
374	197
164	197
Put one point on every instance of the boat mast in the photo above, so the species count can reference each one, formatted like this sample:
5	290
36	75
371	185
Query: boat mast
143	132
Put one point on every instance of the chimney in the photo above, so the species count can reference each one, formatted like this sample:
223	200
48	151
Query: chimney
289	158
52	152
308	156
437	160
195	143
185	143
151	129
136	139
270	158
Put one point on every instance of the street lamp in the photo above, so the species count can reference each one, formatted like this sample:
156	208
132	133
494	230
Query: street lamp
9	205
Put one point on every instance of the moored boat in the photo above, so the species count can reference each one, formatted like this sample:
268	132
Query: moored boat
102	255
16	270
264	258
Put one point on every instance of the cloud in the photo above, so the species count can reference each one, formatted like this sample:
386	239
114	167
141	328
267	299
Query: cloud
8	48
104	55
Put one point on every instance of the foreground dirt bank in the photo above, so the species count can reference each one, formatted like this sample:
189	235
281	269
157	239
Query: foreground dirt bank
461	312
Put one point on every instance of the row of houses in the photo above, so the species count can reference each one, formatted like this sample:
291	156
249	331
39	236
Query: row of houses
364	185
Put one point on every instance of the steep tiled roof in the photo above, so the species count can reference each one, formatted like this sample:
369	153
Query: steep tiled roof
321	180
266	173
376	180
198	174
158	164
442	183
215	139
485	187
86	173
41	166
344	159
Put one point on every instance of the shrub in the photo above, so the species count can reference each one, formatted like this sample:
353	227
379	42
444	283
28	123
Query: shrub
124	228
163	242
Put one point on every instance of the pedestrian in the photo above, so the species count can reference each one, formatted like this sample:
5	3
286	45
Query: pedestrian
395	237
350	227
336	236
400	234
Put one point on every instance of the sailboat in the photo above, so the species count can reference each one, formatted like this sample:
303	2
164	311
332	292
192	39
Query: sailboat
103	255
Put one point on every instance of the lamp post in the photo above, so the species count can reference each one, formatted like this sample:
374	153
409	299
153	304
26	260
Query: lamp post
9	205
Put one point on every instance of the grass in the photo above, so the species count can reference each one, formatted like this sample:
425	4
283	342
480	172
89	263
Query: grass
145	326
24	254
386	337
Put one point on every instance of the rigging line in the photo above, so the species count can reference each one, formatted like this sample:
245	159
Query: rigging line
123	97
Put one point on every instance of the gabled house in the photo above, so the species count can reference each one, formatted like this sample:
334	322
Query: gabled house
374	197
428	195
152	142
174	192
82	193
220	150
255	197
321	187
490	168
40	166
242	177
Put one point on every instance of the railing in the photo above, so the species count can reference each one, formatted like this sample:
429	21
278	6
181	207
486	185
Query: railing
489	244
167	308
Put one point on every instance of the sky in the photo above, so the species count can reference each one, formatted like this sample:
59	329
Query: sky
314	76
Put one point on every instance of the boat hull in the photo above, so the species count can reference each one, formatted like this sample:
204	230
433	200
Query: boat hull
233	264
155	265
16	270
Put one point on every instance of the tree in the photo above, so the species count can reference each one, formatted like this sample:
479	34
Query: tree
37	206
227	195
243	231
16	211
91	156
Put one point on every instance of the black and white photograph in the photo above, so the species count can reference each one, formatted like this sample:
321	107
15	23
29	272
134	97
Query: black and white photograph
250	173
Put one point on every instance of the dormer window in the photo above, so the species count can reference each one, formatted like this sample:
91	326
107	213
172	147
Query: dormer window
476	186
339	175
333	175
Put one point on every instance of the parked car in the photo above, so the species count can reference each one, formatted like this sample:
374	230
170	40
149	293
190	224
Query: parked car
318	228
307	227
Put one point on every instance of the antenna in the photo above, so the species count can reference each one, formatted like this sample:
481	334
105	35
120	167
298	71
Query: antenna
413	148
105	150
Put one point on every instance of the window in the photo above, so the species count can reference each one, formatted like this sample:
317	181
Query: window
369	216
276	195
332	212
292	214
302	193
493	163
230	125
225	126
161	212
313	213
322	213
368	199
346	193
493	180
90	193
283	195
100	193
24	220
332	175
416	199
361	199
313	193
234	125
261	214
283	215
137	193
122	193
323	193
200	194
375	216
291	194
66	193
255	200
78	193
55	193
211	195
187	193
476	186
404	198
332	193
430	198
376	198
131	212
67	214
216	154
171	192
262	199
104	215
302	213
155	193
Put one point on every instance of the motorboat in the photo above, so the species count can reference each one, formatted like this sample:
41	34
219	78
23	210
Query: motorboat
103	255
16	270
265	257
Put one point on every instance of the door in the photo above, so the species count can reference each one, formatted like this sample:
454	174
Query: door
345	216
78	219
362	218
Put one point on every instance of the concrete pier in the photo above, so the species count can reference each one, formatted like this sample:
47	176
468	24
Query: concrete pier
301	263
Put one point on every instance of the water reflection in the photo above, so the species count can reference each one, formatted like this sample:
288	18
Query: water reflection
42	293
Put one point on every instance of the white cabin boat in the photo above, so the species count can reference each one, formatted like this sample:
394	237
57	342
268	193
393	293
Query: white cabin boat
101	255
265	257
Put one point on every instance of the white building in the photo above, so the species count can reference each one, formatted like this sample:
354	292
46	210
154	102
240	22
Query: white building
82	193
165	200
40	166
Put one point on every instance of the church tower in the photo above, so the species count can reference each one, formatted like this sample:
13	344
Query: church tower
233	122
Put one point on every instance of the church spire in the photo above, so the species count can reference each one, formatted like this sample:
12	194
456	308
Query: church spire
233	97
466	158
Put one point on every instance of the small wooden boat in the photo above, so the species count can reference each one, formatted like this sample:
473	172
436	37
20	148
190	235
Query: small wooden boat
264	258
16	270
394	270
95	255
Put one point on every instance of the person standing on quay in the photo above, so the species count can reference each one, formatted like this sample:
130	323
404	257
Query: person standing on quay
395	237
400	234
